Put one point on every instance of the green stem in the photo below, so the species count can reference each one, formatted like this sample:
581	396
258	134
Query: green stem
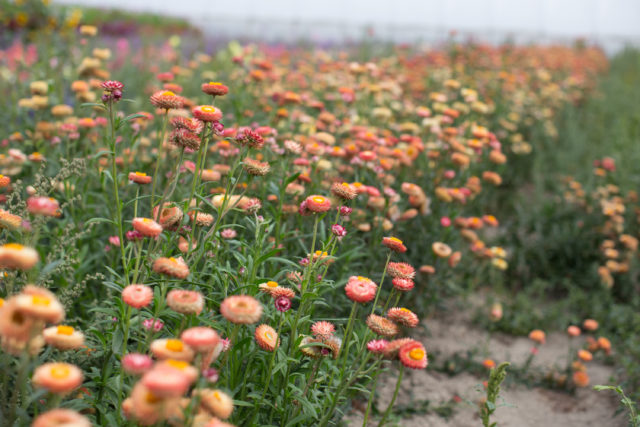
393	399
114	178
165	119
372	395
384	272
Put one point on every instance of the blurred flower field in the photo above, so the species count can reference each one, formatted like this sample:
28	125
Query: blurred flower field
264	235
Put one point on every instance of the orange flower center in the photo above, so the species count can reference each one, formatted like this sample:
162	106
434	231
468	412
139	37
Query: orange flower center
65	330
174	345
215	83
208	109
416	354
216	394
272	284
178	364
405	310
168	93
17	246
395	239
141	174
151	398
318	199
40	300
60	372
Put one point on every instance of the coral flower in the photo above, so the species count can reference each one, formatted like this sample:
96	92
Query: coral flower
323	329
318	204
4	181
201	338
401	270
266	337
413	355
173	267
147	227
201	218
63	337
45	206
17	257
136	363
10	221
218	403
166	381
169	216
242	309
580	378
166	100
590	325
537	335
137	296
112	85
403	285
585	355
441	250
214	89
403	316
255	167
146	407
394	244
168	348
382	326
40	303
604	344
377	346
185	302
14	324
139	178
185	139
360	289
573	331
61	418
343	191
206	113
59	378
488	363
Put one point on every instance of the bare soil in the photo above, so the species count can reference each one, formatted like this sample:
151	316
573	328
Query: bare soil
519	406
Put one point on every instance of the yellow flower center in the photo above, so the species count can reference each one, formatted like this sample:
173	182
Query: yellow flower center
216	394
172	259
60	372
268	335
395	239
40	300
178	364
1	302
363	278
174	345
318	199
272	284
208	109
344	184
215	83
416	354
168	93
146	220
405	310
17	246
141	174
65	330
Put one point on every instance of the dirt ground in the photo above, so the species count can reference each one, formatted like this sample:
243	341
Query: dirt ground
519	406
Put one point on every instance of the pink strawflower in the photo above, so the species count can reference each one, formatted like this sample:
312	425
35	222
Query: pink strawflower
136	363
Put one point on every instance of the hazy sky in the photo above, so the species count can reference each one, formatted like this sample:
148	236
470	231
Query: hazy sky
606	20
